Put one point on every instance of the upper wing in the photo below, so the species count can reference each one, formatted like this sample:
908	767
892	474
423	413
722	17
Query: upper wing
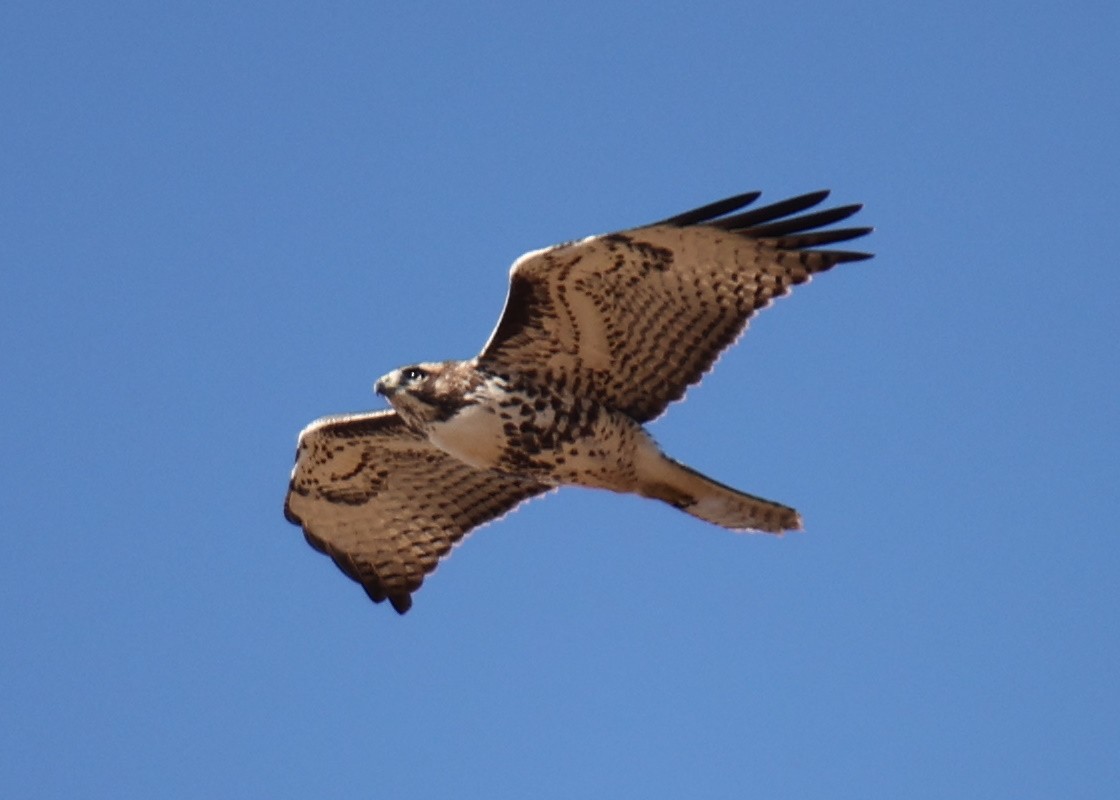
385	504
635	318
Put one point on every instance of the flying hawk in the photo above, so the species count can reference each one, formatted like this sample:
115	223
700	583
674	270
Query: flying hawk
597	337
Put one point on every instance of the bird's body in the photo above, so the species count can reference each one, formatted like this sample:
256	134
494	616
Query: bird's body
597	338
558	438
549	435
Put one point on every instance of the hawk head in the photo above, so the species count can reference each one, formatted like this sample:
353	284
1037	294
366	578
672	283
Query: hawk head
429	392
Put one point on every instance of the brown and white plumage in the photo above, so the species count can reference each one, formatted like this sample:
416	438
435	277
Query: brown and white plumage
635	318
597	337
386	504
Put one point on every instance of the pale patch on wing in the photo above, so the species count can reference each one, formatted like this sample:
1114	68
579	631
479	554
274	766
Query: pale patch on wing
387	505
632	319
637	319
589	330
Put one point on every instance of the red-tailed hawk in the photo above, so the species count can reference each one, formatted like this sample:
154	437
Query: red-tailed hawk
597	337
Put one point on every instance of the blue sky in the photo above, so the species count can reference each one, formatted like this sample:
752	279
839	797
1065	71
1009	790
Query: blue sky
219	223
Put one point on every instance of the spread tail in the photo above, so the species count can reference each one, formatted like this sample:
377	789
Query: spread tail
684	488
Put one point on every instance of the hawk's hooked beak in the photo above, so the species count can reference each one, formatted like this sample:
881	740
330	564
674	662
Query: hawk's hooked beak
383	387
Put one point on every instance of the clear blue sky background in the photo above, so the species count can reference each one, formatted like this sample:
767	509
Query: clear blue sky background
219	221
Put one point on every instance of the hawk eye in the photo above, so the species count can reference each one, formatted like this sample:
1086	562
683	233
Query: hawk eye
411	374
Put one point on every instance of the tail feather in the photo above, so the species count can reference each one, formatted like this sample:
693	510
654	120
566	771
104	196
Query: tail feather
696	494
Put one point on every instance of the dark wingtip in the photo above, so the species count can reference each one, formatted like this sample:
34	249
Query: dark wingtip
784	224
401	602
710	211
288	513
810	199
845	256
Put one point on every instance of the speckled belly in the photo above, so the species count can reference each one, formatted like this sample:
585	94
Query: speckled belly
550	438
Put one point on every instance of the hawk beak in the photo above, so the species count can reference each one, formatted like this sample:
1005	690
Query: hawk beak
382	387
